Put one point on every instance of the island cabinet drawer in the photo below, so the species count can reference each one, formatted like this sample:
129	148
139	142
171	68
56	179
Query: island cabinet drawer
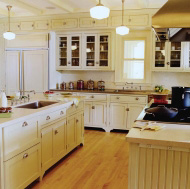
20	136
128	99
52	116
22	169
73	108
95	97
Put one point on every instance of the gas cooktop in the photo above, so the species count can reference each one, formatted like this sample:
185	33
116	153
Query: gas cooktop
182	116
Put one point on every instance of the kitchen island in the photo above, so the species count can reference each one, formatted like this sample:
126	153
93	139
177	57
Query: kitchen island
33	140
159	159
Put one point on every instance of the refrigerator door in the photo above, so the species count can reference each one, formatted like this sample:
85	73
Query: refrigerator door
12	72
35	70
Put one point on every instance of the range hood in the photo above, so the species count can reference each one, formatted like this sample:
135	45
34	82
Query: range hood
170	18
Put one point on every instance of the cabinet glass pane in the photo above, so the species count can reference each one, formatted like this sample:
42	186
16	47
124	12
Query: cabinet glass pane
175	57
75	51
63	51
104	49
90	51
160	54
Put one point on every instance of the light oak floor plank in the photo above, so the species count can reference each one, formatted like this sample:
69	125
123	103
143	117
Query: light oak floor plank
102	163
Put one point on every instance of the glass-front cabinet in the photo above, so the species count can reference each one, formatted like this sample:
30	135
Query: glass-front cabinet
69	51
168	55
97	51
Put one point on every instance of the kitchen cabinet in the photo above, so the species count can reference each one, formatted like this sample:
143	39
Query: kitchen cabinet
15	26
80	128
65	23
90	23
41	25
95	114
69	51
97	51
21	66
27	26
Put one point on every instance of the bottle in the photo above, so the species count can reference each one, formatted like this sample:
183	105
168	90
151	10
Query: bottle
3	100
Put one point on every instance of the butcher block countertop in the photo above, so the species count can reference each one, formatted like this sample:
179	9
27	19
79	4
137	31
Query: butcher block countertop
108	91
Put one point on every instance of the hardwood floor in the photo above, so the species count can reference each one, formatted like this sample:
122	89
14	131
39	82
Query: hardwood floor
101	163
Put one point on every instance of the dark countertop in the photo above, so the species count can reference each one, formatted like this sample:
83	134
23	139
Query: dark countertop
108	91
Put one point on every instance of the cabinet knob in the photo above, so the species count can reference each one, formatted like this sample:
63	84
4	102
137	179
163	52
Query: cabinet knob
168	63
48	118
25	155
73	104
117	98
92	96
69	62
127	109
61	112
25	124
64	23
97	62
93	21
93	107
56	132
137	98
77	120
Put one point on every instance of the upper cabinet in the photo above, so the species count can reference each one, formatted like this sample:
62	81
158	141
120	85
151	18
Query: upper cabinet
69	51
65	23
90	23
84	51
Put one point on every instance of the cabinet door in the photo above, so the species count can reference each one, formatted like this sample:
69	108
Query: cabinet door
99	114
118	116
138	20
104	51
101	23
59	140
27	26
41	25
64	23
47	147
90	50
79	127
86	23
15	26
88	114
71	133
186	55
133	112
12	72
36	70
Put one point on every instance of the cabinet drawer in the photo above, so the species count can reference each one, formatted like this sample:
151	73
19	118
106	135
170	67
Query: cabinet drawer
128	99
94	97
52	116
23	169
19	137
73	108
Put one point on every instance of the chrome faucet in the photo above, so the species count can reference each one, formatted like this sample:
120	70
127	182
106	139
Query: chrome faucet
129	83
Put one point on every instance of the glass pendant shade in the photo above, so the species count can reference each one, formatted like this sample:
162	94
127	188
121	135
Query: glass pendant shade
99	12
122	30
9	35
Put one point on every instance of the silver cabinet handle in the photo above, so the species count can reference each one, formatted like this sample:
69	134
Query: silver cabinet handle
25	124
61	112
56	132
25	155
48	118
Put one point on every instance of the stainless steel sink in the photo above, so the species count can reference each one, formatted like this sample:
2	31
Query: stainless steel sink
36	105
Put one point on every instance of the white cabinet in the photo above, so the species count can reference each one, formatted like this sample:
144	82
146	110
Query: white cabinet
95	114
27	26
80	128
41	25
65	23
90	23
96	51
118	116
22	169
69	51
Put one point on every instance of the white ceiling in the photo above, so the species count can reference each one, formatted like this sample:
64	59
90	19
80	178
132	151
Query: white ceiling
48	7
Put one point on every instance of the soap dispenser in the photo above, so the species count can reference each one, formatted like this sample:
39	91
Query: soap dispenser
3	99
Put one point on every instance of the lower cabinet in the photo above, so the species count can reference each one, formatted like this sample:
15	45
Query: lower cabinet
80	128
95	114
22	169
122	116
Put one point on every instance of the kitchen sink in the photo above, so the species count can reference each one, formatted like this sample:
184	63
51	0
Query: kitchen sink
36	105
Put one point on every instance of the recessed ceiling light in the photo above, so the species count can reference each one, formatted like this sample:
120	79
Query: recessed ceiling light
50	8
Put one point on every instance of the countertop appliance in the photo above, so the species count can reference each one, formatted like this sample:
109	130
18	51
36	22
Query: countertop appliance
71	85
90	84
80	84
101	85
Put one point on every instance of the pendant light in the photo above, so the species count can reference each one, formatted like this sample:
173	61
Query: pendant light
9	35
122	30
99	11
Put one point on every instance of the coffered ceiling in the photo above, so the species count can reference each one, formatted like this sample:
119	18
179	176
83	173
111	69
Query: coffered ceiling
49	7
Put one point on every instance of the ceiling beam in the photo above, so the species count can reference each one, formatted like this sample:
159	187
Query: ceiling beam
143	3
62	5
22	5
5	13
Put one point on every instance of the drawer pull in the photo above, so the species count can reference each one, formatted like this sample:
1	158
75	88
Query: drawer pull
93	107
56	132
25	124
25	155
48	118
92	96
137	98
127	109
61	112
77	121
118	98
73	104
